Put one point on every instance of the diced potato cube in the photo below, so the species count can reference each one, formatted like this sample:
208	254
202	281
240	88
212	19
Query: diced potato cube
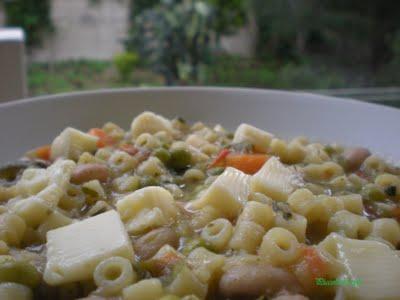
74	251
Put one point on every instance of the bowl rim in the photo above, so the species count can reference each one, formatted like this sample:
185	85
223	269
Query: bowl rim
195	89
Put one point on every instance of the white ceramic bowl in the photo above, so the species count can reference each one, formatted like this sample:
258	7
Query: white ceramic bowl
32	122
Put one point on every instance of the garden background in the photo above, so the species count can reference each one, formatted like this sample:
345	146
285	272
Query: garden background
287	44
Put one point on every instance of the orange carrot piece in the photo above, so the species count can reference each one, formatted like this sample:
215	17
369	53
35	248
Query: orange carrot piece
219	160
43	152
316	264
169	259
247	163
104	138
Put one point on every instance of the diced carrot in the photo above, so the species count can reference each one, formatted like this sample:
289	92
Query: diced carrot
43	152
219	160
158	266
130	149
247	163
316	264
169	259
104	138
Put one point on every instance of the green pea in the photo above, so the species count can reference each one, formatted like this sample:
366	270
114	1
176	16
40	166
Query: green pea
148	181
163	155
180	159
373	193
19	272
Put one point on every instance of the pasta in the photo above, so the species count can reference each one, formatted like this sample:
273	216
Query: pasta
147	208
279	247
386	229
146	289
167	210
275	180
71	143
227	194
258	138
217	234
206	264
15	291
349	224
247	236
113	275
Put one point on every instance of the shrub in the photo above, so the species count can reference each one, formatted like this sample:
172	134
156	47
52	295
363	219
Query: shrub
174	38
31	15
125	64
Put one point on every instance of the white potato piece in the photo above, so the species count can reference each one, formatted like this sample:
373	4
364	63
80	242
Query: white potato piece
260	139
275	180
74	251
71	143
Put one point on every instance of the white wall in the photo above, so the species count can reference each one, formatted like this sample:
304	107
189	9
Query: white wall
96	31
84	30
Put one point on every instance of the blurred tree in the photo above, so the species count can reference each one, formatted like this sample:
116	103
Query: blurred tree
173	37
374	22
138	6
31	15
229	15
356	31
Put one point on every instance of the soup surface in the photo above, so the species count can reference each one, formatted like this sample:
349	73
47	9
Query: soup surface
171	210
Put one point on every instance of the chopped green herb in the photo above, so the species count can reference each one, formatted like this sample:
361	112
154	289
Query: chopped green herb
216	171
281	207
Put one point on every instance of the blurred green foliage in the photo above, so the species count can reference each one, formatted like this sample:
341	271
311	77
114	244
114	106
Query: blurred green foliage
350	32
173	38
239	71
229	15
81	75
31	15
125	63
